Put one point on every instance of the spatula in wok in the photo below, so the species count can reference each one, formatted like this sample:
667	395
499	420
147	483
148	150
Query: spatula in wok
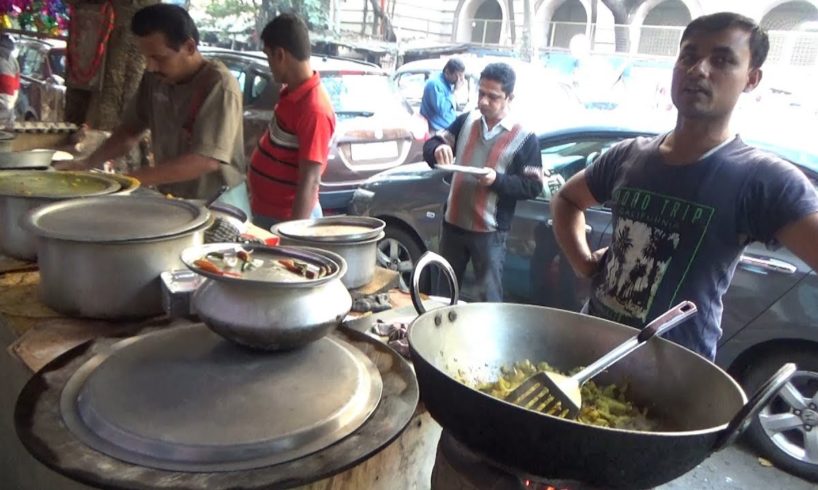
556	394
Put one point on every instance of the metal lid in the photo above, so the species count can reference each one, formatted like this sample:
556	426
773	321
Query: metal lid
186	400
55	185
115	219
266	269
332	229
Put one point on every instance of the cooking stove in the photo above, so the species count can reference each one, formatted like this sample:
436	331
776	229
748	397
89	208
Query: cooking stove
457	467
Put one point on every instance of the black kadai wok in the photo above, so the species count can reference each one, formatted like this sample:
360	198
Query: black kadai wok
698	408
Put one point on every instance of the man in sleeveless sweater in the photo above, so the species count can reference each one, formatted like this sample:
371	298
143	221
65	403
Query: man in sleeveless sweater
192	106
686	203
479	210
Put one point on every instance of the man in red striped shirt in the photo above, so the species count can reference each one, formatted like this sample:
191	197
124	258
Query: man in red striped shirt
286	166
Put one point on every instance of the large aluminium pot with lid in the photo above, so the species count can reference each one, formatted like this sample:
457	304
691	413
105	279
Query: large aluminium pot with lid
22	191
355	238
101	257
266	305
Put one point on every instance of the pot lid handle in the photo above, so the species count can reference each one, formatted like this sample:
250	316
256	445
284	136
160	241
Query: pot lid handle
443	264
760	398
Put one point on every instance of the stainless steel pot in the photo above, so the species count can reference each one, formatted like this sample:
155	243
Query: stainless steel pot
15	241
272	315
97	258
700	408
360	256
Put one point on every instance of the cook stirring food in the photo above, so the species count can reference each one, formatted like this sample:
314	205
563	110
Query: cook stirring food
686	203
192	106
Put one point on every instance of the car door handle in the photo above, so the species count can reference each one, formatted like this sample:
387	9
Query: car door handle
550	224
772	265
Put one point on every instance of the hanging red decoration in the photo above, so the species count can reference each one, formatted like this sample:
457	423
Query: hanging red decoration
83	75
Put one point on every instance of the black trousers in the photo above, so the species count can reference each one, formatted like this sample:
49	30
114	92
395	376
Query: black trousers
487	253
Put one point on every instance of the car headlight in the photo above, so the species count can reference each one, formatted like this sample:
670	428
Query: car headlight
361	203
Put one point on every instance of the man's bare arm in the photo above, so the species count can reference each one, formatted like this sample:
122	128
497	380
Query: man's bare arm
119	143
186	167
567	209
309	180
801	237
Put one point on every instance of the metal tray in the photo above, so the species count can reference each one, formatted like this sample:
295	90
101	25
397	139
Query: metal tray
187	400
39	425
308	229
478	171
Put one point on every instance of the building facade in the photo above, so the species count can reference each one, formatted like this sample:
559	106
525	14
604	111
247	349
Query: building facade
636	27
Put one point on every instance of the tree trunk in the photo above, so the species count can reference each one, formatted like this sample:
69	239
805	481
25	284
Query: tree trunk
389	32
123	71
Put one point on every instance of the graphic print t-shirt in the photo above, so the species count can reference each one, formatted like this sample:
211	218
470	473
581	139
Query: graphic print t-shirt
679	230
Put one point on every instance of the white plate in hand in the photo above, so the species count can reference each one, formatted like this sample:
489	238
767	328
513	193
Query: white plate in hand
479	171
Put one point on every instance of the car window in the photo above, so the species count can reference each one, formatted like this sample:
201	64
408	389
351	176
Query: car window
31	62
259	83
411	84
362	95
560	161
57	61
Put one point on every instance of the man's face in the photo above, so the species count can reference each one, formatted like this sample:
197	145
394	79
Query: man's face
275	60
491	100
711	72
454	77
170	65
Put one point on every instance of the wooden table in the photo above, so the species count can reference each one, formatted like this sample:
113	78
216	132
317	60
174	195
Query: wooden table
35	335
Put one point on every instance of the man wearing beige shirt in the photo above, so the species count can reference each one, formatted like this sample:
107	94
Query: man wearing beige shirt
192	106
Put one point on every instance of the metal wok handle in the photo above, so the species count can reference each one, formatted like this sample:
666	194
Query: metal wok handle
414	287
760	398
660	325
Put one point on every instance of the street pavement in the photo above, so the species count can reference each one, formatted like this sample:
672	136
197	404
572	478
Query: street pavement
736	468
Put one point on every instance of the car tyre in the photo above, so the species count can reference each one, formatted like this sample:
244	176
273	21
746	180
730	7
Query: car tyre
399	251
784	432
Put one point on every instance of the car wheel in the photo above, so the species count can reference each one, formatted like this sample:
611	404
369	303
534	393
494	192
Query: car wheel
786	430
399	251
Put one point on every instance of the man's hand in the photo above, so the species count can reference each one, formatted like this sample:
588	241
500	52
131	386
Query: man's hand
489	178
444	155
590	265
461	80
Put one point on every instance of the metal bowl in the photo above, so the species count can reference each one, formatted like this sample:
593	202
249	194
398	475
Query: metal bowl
320	229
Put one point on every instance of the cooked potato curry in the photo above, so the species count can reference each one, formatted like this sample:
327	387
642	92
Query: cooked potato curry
604	406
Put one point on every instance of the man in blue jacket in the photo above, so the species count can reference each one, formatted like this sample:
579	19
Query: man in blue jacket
438	105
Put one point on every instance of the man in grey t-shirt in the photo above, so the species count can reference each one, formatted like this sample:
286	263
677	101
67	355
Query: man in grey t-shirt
685	204
192	106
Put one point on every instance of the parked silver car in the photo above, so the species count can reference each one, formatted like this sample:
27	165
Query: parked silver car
770	310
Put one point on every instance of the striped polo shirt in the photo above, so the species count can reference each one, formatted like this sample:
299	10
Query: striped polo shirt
301	130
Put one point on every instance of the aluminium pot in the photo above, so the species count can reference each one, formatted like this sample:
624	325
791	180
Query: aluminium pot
102	257
267	314
360	255
16	199
699	407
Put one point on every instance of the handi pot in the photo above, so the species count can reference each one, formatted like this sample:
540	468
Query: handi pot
700	408
271	315
107	265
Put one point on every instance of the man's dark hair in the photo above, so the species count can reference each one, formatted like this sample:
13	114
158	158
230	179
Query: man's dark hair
171	20
454	65
759	42
289	32
502	73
